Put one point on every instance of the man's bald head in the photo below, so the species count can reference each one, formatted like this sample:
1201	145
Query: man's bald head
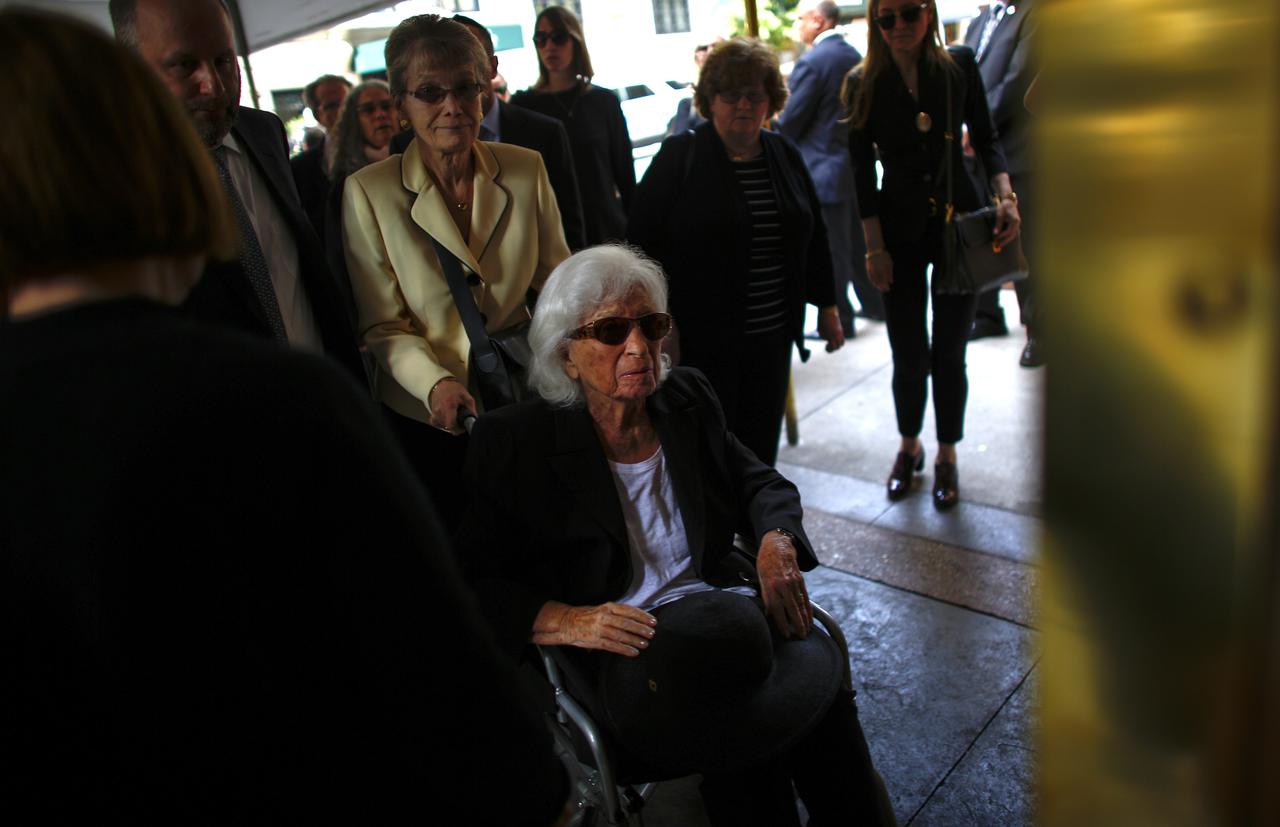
189	44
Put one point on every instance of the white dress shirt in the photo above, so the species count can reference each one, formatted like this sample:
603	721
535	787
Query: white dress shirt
278	248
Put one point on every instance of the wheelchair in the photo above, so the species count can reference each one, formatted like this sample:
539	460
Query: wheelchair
607	787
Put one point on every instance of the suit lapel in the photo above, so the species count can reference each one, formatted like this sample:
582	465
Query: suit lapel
678	431
429	210
283	190
489	201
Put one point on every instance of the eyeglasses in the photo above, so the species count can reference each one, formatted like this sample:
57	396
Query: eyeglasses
465	93
614	330
909	15
329	106
556	36
375	106
755	98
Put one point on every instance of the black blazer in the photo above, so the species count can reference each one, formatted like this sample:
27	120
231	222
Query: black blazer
1007	71
531	130
545	522
546	136
689	215
224	295
913	160
312	183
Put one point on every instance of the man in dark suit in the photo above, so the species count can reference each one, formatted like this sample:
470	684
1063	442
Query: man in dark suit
686	116
509	124
324	97
1000	37
812	120
280	288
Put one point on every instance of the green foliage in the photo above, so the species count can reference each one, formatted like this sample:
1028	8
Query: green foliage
777	19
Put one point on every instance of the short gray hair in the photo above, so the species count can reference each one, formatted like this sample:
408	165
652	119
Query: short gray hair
829	10
583	282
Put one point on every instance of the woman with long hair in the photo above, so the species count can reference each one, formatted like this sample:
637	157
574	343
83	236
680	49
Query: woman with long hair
907	103
593	118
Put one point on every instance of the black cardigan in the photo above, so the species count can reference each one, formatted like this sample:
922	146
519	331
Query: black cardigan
689	215
913	159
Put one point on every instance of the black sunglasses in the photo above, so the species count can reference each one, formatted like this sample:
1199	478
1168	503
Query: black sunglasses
465	93
556	36
614	330
909	15
753	96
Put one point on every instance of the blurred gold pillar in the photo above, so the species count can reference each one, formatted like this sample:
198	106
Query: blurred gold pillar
752	18
1157	137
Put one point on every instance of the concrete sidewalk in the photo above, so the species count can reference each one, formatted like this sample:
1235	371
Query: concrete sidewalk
938	607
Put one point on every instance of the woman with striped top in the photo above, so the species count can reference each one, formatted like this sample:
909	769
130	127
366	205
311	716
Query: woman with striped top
730	212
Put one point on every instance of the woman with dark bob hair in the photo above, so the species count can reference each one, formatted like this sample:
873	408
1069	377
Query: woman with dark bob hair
593	118
602	518
220	586
489	205
898	111
730	212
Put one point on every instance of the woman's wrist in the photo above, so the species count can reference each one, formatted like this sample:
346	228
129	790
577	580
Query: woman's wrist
438	383
1004	196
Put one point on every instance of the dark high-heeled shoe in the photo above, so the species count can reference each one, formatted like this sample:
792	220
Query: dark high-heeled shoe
946	485
899	484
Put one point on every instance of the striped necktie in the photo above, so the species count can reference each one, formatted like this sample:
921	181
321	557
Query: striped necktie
252	261
993	20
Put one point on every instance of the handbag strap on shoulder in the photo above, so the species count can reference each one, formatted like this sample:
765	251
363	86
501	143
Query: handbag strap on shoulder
483	356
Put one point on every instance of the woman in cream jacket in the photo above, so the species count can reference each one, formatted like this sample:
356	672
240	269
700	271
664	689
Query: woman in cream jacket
490	205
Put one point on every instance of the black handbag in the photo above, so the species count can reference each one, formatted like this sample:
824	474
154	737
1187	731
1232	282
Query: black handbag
499	362
973	261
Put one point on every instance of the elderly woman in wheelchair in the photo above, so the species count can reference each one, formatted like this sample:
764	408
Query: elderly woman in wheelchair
602	523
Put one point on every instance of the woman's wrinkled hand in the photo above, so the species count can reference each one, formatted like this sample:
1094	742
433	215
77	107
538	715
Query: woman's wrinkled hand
446	399
611	627
880	270
786	599
1008	222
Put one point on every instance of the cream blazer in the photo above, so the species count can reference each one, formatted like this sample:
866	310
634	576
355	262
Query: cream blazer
406	314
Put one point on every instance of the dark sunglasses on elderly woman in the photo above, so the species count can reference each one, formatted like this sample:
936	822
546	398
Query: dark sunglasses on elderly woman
465	93
909	15
556	36
614	330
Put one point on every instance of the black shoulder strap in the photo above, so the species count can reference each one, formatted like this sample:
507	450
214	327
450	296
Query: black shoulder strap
483	356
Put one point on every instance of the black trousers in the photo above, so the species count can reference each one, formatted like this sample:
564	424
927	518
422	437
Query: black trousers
437	457
749	376
919	356
832	771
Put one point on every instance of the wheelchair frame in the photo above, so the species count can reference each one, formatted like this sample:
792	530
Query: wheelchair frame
597	789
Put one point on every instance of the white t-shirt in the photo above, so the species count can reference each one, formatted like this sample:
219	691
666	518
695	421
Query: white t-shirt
661	563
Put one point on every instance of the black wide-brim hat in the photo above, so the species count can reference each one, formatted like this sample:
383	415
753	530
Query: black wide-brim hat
718	690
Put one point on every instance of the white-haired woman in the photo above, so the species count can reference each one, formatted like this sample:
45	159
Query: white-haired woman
617	495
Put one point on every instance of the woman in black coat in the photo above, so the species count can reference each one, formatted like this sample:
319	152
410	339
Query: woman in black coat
593	118
610	502
898	100
730	212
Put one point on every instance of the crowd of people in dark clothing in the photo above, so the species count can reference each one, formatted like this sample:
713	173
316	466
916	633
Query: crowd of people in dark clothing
253	565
